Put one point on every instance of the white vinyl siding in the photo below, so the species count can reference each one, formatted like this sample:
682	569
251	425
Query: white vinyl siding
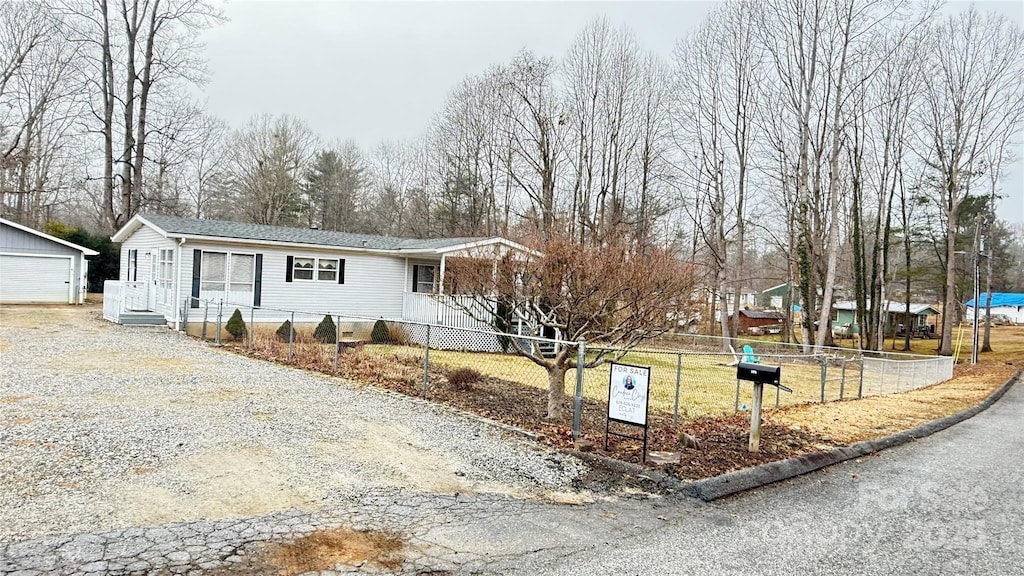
148	245
373	287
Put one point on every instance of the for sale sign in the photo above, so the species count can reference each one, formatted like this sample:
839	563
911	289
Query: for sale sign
628	388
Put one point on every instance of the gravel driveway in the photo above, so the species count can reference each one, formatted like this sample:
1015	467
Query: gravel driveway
104	427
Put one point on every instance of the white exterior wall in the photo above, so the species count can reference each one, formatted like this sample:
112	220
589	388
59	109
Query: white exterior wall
147	241
1014	313
373	283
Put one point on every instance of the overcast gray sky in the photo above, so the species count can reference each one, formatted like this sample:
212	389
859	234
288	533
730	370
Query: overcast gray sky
371	71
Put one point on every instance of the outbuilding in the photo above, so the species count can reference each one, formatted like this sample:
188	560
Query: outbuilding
1008	304
39	268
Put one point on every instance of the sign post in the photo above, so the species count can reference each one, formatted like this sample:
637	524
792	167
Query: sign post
628	394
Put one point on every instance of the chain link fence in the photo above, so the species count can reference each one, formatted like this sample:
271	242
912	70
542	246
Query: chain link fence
691	376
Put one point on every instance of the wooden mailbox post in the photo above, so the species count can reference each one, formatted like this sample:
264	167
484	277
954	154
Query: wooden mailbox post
759	375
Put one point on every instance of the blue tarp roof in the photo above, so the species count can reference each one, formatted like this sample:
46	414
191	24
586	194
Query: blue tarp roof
1000	299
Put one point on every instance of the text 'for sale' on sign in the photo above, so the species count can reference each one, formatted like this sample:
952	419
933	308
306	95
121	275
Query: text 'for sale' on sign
627	393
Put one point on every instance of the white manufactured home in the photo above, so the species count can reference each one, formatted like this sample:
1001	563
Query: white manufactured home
171	267
39	268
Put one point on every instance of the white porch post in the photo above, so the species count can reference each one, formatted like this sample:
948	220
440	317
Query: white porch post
440	284
177	285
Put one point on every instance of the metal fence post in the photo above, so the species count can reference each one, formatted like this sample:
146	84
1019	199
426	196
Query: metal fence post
291	337
860	385
337	340
252	327
426	364
736	404
220	318
824	375
184	318
842	379
206	314
679	375
577	407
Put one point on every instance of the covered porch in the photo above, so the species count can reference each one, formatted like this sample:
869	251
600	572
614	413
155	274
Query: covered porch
130	302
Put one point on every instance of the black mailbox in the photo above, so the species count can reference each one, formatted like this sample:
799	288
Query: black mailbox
759	373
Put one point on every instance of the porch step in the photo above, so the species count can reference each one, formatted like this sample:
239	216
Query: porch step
142	319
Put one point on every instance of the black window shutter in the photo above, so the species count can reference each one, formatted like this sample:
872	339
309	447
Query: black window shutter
258	282
415	277
341	271
288	268
197	267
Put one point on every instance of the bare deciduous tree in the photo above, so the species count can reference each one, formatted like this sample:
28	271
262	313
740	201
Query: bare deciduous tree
973	86
609	295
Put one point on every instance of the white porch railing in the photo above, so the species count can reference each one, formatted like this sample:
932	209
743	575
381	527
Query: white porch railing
454	311
120	297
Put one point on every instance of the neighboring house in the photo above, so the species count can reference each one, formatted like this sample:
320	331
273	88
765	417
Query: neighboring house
748	298
172	267
39	268
773	297
1003	303
758	321
844	316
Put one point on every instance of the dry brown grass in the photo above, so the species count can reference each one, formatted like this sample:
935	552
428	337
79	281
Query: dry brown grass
325	549
400	368
878	416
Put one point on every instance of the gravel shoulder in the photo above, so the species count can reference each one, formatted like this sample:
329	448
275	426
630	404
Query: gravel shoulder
105	427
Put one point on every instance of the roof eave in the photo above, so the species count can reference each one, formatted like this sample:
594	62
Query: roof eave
230	240
82	249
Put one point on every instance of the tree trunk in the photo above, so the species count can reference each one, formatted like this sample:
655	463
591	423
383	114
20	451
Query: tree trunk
556	389
949	305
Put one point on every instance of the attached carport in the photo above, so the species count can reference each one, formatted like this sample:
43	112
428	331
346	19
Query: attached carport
39	268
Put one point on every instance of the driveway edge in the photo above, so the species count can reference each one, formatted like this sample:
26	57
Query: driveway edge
748	478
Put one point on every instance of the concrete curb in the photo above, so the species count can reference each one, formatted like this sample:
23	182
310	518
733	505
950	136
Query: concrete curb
727	484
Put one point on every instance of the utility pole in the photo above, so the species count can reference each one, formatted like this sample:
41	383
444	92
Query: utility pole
979	252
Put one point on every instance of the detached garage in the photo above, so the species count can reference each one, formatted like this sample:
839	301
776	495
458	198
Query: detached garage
38	268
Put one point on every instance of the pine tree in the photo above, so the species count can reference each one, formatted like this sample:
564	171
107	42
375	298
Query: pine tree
235	325
326	332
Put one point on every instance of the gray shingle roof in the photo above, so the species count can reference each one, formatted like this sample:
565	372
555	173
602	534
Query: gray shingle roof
175	226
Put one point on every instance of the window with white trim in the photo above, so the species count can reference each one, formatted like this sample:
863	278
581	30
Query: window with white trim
424	278
302	268
165	275
213	275
317	269
133	265
243	273
327	270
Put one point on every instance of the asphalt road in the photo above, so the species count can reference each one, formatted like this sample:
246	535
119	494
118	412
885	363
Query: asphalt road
952	503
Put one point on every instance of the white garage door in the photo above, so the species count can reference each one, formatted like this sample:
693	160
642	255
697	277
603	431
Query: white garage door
34	279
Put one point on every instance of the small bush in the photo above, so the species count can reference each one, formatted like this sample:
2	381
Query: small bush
235	325
326	332
380	333
463	378
285	331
